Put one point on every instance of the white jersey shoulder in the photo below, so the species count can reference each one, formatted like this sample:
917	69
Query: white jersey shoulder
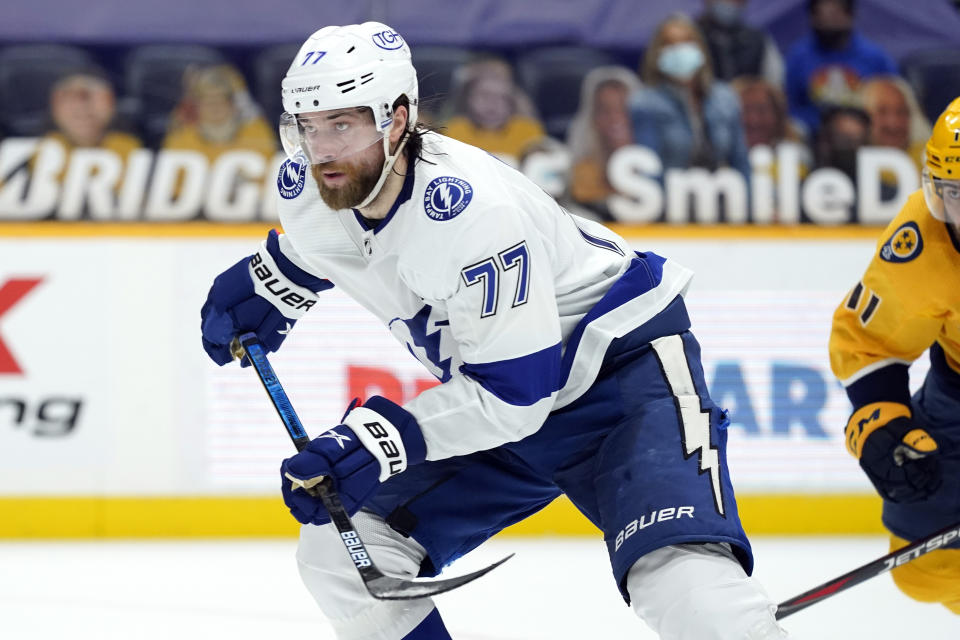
488	282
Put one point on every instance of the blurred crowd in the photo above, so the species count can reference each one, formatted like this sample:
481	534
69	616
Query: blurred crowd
707	90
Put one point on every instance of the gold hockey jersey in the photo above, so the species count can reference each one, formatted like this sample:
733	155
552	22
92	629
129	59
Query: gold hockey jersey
908	300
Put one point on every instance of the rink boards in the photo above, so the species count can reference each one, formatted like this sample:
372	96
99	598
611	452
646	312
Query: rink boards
114	423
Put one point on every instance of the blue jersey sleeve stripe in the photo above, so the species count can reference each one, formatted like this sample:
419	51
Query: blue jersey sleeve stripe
293	272
519	381
601	242
644	273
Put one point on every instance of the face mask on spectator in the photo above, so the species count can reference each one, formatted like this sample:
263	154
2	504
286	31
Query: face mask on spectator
726	13
680	61
831	38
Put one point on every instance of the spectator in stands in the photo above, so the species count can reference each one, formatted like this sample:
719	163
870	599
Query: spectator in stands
764	111
83	112
682	113
844	130
895	116
600	127
826	67
217	115
766	122
736	48
491	112
82	107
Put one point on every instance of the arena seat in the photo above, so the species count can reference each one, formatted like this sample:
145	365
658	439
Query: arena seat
552	77
27	72
934	75
269	67
153	83
436	66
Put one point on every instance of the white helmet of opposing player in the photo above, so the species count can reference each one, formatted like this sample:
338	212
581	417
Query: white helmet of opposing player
339	92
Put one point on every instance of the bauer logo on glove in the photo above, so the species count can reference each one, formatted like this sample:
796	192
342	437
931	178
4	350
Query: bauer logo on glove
265	293
290	299
374	443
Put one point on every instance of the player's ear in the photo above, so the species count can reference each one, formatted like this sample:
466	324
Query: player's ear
400	116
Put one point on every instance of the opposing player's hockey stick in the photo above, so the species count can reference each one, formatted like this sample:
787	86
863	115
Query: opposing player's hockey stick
380	586
881	565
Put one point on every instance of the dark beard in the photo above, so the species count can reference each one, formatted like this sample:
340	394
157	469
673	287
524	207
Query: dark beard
361	179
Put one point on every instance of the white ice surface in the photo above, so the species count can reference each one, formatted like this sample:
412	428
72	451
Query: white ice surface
553	589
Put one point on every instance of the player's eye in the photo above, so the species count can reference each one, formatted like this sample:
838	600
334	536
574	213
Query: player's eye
952	193
341	126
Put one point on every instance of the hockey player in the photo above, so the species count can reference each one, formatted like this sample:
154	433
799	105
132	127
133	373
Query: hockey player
908	301
566	361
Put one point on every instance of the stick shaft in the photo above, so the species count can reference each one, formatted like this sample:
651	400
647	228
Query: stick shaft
911	552
258	358
251	346
378	585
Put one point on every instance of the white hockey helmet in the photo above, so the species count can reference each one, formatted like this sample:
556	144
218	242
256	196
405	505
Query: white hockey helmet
341	67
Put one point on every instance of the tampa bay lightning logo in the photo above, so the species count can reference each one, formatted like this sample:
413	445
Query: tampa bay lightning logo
291	179
904	245
422	339
388	40
446	197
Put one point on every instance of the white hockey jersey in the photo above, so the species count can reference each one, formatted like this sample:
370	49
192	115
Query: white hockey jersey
488	282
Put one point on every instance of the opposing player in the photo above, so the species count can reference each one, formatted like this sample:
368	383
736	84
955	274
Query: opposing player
907	301
566	362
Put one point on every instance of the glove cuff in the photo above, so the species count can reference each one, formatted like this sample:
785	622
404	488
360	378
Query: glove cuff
390	433
269	282
290	269
868	419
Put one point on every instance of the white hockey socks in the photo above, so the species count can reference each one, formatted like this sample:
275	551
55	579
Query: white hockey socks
332	580
700	592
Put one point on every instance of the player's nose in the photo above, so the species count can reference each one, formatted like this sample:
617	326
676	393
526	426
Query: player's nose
322	151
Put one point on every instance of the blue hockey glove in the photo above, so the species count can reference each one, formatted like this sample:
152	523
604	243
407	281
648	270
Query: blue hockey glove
265	293
375	442
899	458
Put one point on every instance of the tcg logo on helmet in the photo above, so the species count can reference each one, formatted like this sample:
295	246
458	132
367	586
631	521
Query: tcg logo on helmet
388	40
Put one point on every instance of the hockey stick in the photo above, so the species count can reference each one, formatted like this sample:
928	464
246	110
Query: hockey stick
872	569
380	586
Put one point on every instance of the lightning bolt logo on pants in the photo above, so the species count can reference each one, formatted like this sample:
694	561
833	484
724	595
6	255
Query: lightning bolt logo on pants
694	420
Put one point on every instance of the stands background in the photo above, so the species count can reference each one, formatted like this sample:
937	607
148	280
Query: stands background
613	24
621	27
112	423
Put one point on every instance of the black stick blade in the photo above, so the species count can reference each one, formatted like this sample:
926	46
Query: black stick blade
386	588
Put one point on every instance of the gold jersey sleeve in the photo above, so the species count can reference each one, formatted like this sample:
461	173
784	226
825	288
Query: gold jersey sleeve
908	298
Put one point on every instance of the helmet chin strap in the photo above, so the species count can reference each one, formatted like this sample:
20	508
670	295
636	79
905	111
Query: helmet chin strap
387	166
